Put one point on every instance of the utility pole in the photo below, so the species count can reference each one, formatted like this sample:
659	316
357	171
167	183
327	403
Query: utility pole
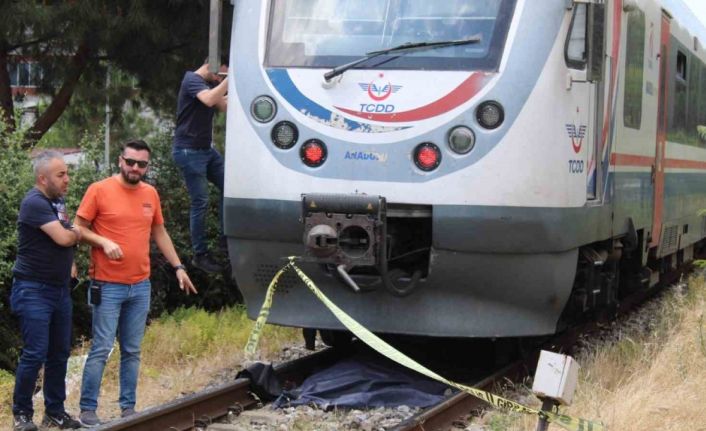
214	36
107	118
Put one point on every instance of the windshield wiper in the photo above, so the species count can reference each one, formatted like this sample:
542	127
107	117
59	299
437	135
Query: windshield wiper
405	47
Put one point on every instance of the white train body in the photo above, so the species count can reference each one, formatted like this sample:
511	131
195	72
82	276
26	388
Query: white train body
591	161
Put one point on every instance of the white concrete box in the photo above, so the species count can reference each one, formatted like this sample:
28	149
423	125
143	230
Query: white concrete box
556	377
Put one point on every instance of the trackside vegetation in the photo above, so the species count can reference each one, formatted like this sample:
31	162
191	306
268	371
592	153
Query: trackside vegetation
647	373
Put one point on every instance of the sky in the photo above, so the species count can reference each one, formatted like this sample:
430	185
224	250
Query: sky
690	14
699	9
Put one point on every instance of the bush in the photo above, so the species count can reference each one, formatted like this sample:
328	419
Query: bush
16	175
215	291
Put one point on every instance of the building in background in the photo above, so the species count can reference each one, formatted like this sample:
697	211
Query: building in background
25	76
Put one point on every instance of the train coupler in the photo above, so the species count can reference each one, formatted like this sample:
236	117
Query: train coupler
344	230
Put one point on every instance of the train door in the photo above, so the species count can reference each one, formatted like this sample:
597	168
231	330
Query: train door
661	141
581	123
593	159
595	51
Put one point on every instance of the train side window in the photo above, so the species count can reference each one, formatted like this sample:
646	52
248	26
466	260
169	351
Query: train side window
576	48
701	108
681	66
692	104
634	67
678	130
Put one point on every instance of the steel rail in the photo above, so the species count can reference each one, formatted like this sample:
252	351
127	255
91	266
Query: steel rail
442	415
183	413
205	407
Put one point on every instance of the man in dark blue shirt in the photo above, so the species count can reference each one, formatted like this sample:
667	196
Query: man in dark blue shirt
201	94
41	296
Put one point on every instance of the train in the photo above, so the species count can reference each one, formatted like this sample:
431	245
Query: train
465	168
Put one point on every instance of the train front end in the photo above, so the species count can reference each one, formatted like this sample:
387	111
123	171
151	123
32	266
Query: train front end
412	153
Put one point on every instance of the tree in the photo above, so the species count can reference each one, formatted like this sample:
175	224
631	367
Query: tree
72	41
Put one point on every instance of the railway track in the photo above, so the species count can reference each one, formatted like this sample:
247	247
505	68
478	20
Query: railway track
199	410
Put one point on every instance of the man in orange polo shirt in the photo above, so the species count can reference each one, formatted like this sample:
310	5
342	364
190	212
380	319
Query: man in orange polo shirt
122	213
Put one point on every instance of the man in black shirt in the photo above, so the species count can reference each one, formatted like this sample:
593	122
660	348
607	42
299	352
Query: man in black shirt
200	95
41	296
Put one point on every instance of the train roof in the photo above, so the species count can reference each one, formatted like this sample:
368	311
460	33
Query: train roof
686	18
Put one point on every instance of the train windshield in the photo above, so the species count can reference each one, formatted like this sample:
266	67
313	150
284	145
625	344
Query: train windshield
329	33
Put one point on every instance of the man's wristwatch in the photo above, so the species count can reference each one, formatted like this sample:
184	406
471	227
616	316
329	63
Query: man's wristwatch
178	267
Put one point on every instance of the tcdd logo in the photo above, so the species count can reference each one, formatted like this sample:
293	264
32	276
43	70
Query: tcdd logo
576	135
379	91
376	108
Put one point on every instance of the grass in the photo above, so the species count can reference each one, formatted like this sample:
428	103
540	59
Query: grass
7	384
649	376
181	353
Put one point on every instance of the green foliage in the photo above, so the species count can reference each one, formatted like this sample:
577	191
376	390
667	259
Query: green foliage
147	43
128	118
685	137
193	333
17	179
7	383
215	291
701	130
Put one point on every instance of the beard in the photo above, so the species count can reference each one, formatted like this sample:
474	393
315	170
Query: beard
55	192
131	177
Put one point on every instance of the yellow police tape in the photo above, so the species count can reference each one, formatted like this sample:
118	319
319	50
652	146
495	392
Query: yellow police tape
566	422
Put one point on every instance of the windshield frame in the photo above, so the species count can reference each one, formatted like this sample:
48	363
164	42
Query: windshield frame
276	49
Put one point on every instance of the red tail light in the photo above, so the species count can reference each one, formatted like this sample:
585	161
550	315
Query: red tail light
313	153
427	156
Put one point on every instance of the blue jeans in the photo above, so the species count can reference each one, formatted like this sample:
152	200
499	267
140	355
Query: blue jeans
45	320
198	168
124	309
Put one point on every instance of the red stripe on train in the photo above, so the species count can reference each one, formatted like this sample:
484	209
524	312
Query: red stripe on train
618	159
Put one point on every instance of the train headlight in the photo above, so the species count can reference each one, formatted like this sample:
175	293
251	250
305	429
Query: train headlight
263	109
427	156
313	153
490	115
285	135
461	139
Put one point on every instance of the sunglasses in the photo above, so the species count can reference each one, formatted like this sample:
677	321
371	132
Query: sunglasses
140	163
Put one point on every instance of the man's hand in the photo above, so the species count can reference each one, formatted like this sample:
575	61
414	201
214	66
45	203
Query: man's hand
185	283
112	250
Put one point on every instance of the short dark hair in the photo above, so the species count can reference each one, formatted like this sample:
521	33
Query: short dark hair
136	144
